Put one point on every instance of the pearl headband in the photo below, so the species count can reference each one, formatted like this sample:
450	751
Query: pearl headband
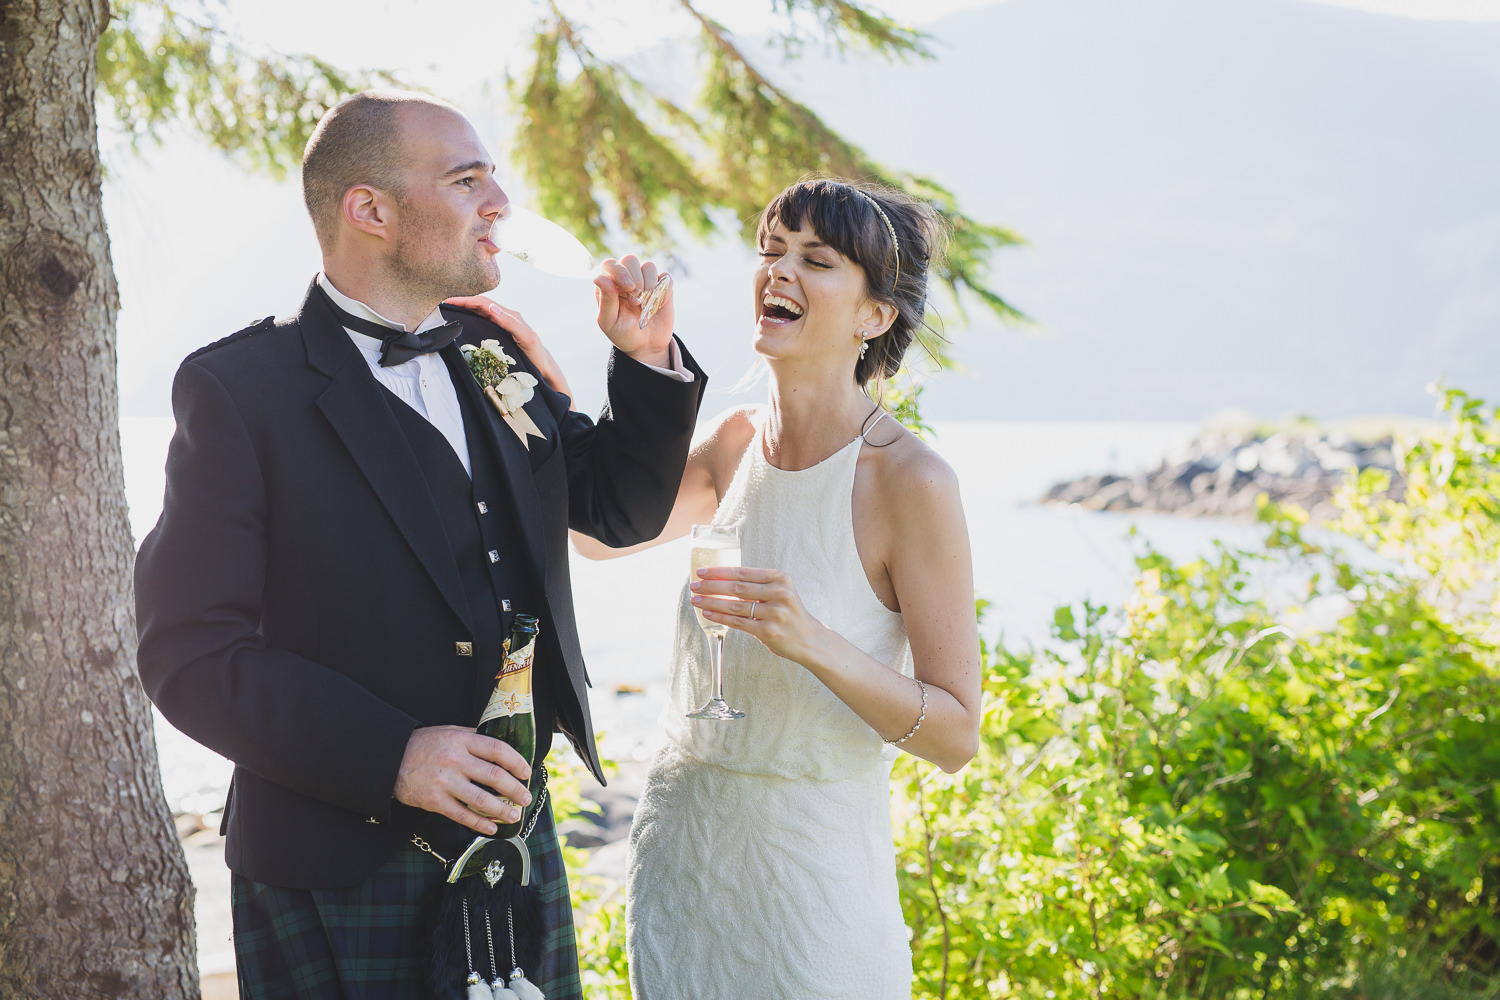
895	243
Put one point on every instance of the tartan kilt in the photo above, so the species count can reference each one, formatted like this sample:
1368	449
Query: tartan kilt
367	943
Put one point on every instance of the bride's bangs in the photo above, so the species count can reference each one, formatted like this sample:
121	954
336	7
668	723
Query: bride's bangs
838	215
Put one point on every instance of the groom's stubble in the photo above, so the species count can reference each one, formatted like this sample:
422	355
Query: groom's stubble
425	264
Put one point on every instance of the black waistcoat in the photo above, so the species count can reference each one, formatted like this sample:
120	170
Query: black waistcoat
479	521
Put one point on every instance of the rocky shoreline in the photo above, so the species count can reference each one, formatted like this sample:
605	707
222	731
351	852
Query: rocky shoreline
1222	473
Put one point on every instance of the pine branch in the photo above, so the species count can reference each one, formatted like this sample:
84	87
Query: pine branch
583	135
842	23
762	138
760	135
158	66
967	266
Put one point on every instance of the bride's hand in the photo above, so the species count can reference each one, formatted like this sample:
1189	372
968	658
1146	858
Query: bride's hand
759	602
525	337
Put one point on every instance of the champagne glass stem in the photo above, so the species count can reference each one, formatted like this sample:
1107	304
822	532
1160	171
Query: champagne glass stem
716	707
719	667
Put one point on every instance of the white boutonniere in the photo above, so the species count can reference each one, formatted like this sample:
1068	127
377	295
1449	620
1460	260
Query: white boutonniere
508	391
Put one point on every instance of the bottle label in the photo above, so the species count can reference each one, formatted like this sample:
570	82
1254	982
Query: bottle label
512	694
517	660
504	704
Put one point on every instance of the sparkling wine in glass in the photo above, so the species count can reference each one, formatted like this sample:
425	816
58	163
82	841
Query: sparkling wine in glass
549	247
715	545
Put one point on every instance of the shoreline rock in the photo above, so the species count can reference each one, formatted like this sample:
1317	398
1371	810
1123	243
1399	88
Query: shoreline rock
1221	473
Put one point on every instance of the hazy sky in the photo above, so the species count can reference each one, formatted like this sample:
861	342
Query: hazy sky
1426	10
418	36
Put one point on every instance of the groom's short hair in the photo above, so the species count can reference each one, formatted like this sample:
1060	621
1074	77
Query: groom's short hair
358	141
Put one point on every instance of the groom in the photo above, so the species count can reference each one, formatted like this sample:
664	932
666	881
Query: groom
348	530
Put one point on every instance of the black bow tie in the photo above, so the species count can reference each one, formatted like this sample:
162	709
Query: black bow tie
396	346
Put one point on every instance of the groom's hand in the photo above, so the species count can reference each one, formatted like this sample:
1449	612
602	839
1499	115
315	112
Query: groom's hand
619	314
456	773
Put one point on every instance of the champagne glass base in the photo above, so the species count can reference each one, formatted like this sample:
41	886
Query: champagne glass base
717	708
652	301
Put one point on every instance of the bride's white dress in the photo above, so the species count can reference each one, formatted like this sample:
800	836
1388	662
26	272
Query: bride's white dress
760	859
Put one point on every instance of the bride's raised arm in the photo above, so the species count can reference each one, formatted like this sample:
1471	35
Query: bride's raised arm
710	467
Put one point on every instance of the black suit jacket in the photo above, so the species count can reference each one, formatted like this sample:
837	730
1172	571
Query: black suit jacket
298	607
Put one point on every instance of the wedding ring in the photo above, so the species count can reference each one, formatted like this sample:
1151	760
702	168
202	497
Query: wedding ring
752	609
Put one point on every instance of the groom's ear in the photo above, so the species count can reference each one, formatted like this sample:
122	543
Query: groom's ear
370	210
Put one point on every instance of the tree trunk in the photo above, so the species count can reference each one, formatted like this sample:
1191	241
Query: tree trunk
95	899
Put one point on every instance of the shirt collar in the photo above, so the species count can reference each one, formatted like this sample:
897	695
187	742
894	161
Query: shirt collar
358	308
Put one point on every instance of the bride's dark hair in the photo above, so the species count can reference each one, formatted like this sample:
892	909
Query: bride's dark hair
845	216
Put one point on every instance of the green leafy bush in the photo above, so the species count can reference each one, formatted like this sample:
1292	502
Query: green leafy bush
1213	793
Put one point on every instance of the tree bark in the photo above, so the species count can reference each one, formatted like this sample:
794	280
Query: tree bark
95	899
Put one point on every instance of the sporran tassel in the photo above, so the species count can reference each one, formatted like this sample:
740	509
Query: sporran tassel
476	990
523	988
498	990
520	987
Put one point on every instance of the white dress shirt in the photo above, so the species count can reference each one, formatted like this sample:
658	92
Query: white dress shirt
423	382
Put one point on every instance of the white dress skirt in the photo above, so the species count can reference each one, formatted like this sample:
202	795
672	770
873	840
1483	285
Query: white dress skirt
761	861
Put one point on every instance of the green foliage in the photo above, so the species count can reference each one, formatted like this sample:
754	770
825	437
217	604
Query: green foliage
843	25
1445	529
159	66
903	398
592	132
1208	793
598	903
579	135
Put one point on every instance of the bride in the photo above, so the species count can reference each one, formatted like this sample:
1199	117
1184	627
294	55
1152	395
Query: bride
761	859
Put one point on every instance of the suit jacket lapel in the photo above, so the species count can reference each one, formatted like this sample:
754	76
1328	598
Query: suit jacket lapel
515	461
355	407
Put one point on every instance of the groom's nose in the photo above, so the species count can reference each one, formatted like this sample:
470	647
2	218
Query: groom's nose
496	204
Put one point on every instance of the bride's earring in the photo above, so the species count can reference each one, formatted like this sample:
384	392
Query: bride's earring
864	345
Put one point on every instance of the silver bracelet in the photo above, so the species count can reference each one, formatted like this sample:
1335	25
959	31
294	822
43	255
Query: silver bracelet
920	718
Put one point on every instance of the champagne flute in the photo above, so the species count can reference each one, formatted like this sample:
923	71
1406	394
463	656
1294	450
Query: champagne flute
549	247
715	545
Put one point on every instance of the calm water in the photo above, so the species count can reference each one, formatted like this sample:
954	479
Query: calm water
1027	559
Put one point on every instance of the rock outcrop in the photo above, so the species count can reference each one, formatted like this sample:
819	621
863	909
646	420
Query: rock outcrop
1220	474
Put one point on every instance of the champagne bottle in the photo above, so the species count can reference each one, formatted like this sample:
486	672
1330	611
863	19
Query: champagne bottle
508	716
